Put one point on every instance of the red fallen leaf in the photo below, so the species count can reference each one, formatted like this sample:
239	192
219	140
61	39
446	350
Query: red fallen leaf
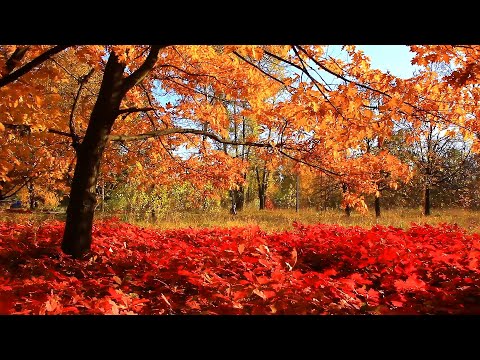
263	280
69	309
473	264
373	296
139	301
330	272
220	296
238	295
249	276
264	262
186	273
6	306
147	274
396	303
156	257
297	274
269	294
389	254
412	283
23	312
192	304
250	259
358	278
277	275
117	280
112	292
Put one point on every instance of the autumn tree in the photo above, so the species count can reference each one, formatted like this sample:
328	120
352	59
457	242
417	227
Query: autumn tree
154	101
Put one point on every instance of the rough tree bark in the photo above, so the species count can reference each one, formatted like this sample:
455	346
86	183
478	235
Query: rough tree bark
233	202
348	209
31	195
297	193
262	186
239	198
426	204
77	237
377	206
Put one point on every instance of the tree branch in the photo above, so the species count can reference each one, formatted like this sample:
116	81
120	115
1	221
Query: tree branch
138	75
7	79
28	129
16	57
7	195
75	138
304	69
258	68
132	110
309	164
170	131
217	138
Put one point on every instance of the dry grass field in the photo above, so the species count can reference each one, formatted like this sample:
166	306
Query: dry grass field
280	219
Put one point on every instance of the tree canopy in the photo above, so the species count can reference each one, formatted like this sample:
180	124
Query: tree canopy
165	113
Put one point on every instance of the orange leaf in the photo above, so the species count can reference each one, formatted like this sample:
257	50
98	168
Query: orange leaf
38	100
241	248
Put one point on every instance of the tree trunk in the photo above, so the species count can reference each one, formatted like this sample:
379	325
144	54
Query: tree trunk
31	195
426	205
233	202
348	209
77	237
239	198
297	193
262	182
103	196
262	197
377	206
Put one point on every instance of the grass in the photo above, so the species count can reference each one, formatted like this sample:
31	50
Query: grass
282	219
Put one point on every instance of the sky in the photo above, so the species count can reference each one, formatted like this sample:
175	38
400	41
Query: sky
396	58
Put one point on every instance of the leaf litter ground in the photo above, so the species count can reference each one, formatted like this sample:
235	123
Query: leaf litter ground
313	269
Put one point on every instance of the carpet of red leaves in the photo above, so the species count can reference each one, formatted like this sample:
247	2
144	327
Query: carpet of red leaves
314	269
